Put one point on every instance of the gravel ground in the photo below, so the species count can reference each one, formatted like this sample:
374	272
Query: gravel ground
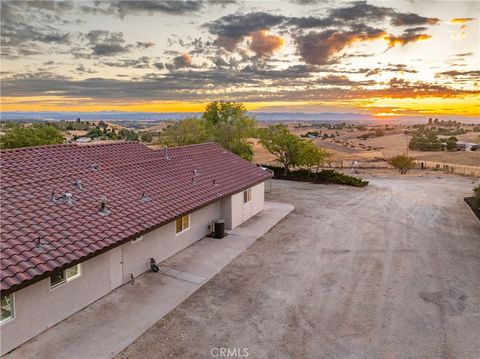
387	271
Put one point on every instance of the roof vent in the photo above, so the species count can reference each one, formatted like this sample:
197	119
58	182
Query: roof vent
144	198
196	172
214	182
67	198
165	153
78	184
103	207
93	167
39	243
52	196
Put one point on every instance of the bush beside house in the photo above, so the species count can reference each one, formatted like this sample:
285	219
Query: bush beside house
323	176
474	201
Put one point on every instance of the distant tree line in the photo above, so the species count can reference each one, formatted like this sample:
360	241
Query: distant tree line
426	139
25	135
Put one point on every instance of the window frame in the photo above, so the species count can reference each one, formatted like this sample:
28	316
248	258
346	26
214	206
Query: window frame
247	194
184	229
67	278
14	310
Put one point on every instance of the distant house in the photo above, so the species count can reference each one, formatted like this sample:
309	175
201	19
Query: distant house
79	221
467	146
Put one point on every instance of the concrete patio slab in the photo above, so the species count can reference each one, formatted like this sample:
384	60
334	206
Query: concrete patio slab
175	273
104	328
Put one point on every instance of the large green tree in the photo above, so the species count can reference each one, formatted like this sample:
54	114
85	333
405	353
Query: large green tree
290	150
34	135
185	132
231	127
225	123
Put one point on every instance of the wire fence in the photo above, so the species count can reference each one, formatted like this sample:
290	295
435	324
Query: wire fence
462	170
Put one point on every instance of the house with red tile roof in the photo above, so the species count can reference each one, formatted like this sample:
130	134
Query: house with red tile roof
79	221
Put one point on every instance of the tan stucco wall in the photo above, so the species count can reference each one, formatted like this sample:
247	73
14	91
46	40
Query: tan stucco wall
37	307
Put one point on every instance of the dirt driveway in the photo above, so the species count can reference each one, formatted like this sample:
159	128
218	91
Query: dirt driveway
387	271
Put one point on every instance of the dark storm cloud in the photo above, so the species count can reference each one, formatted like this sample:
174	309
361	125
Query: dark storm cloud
237	25
361	11
185	85
18	30
410	19
311	22
14	34
222	3
319	48
105	43
144	7
159	65
56	6
144	45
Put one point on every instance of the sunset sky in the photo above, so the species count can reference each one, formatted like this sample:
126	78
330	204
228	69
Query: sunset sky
390	58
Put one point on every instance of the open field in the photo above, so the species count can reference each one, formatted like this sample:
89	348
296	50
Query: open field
346	146
387	271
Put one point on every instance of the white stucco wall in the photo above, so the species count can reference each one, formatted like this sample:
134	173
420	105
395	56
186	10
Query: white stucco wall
164	242
235	212
37	307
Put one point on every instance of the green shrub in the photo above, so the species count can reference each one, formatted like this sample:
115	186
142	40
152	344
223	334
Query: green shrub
323	176
402	162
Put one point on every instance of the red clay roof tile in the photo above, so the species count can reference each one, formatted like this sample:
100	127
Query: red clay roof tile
71	231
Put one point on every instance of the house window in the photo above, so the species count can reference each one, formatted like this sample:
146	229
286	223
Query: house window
8	308
247	195
64	276
182	223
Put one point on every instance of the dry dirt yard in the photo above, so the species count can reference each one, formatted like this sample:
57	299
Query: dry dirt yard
387	271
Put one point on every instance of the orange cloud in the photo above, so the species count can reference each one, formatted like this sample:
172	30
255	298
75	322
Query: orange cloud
404	39
461	20
265	45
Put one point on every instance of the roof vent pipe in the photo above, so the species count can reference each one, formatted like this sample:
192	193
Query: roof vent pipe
144	197
68	198
165	153
78	184
103	207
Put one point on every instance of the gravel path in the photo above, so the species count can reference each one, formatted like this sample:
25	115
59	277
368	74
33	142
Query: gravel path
387	271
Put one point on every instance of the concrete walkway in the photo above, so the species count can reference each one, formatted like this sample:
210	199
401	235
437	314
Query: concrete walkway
107	326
